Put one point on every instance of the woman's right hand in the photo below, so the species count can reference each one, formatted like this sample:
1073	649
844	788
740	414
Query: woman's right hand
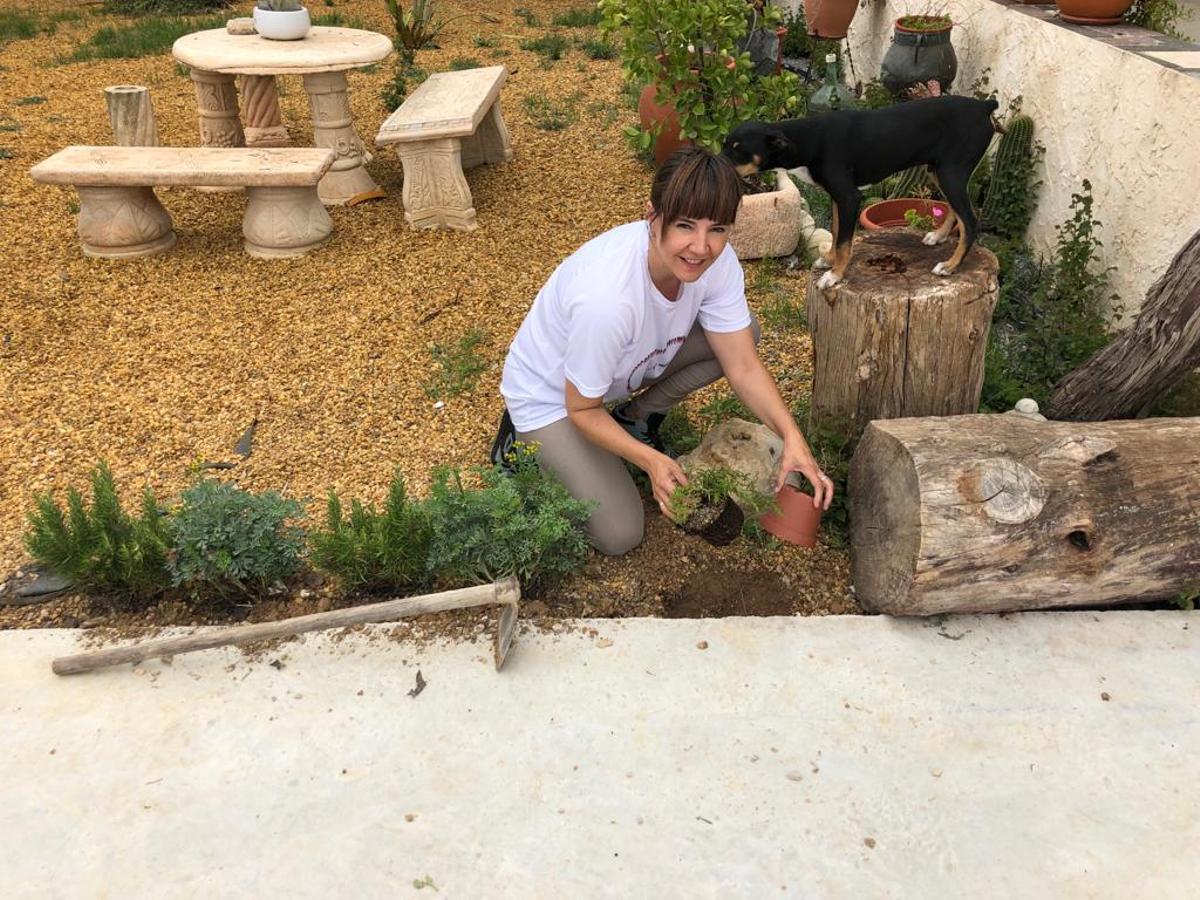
665	474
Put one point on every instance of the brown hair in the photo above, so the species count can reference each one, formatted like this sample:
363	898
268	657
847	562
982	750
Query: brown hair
696	184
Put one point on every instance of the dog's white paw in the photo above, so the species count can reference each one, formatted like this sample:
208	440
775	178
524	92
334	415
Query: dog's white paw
828	280
931	239
942	269
822	264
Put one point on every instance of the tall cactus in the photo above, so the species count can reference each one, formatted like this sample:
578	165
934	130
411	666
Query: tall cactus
1011	196
909	182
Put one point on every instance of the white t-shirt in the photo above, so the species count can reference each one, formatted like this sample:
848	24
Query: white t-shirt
601	323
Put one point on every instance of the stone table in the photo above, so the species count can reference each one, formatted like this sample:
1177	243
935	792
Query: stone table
322	58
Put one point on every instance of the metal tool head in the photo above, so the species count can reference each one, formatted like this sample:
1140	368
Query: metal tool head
505	632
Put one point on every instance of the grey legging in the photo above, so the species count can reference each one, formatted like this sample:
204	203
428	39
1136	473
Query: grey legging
591	473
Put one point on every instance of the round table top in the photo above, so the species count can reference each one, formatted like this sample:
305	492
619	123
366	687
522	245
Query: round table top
323	50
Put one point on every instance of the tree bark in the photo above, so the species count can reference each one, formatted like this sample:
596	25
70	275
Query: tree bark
895	340
995	513
1125	378
131	115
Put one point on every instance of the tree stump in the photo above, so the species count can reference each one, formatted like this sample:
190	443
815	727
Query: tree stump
991	513
895	340
131	115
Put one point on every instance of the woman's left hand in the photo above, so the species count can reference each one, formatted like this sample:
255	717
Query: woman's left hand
796	457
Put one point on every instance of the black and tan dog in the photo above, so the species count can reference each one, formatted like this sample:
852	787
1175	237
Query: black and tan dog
839	151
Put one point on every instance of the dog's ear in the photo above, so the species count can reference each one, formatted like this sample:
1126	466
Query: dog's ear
778	142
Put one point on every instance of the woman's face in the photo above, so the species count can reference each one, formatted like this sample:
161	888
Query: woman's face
687	247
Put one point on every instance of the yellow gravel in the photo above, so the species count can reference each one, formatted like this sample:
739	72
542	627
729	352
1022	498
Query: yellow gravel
153	364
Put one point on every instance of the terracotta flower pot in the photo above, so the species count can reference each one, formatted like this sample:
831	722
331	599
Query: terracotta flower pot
890	213
652	113
1093	12
829	18
797	520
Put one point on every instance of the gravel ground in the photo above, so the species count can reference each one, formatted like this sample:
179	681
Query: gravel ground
157	363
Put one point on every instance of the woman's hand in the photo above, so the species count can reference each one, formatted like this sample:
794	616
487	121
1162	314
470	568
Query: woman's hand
796	457
664	474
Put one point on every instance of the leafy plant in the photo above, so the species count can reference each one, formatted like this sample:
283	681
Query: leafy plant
543	113
709	487
16	25
101	548
1162	16
396	90
677	431
280	5
722	407
459	63
416	27
924	23
688	49
918	220
596	48
549	46
375	551
1186	599
578	17
457	366
1051	314
523	524
145	37
483	41
832	443
230	540
165	7
35	100
527	16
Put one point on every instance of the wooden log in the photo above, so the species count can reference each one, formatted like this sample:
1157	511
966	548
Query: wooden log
132	115
1140	365
895	340
506	592
983	513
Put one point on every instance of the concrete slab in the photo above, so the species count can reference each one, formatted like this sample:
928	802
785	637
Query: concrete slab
819	757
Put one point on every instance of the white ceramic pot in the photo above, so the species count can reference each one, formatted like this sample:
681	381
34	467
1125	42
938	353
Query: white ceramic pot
283	25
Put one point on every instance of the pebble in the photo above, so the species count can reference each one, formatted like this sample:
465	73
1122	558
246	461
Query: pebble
703	645
794	776
936	773
241	25
1104	695
439	405
603	642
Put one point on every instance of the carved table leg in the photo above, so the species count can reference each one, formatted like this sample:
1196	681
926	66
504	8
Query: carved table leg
284	221
123	222
216	97
435	192
260	106
346	181
493	137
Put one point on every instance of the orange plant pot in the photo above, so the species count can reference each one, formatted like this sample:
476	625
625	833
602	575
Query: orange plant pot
1093	12
890	213
797	521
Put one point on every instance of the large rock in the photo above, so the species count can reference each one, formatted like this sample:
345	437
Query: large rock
741	445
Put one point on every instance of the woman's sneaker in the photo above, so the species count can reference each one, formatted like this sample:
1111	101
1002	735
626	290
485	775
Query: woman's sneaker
644	430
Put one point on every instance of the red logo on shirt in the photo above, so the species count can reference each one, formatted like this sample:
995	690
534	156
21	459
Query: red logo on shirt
629	385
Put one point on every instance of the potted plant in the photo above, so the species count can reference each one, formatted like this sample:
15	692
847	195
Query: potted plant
714	503
1093	12
920	51
911	212
829	19
281	20
698	83
770	219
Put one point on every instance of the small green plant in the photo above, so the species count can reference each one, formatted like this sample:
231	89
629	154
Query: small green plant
101	548
1162	16
550	47
396	90
416	27
280	5
710	487
30	101
677	431
1186	599
578	17
228	540
547	115
145	37
523	524
5	153
918	220
165	7
16	25
375	551
459	63
483	41
336	20
781	313
8	123
527	16
924	23
875	95
1051	314
832	443
603	112
722	407
596	48
820	206
457	366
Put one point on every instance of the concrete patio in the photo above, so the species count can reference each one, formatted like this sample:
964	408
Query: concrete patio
1033	755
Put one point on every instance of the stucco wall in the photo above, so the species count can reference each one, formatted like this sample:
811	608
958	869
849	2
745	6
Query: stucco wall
1126	123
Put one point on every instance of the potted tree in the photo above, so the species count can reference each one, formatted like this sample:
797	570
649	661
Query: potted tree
281	20
714	503
698	84
920	52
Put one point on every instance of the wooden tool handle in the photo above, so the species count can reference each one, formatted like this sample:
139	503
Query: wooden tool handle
507	591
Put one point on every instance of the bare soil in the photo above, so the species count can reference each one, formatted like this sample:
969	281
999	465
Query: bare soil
156	364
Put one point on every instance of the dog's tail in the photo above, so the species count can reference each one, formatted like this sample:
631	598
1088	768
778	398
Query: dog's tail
993	105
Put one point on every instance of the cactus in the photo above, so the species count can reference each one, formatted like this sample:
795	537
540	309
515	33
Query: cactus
909	183
1011	194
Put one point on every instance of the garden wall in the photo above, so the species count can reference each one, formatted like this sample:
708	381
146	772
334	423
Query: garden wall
1127	122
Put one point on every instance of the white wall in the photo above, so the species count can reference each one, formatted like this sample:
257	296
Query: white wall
1126	123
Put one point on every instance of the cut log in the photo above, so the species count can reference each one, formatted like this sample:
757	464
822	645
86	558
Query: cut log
895	340
131	115
985	513
1139	366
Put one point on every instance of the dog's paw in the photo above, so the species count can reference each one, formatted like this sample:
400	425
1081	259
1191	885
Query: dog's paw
931	239
828	280
822	264
943	269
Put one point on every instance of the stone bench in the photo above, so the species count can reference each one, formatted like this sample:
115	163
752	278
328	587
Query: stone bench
450	123
120	216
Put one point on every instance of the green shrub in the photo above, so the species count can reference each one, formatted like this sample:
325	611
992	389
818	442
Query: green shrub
1160	15
457	366
459	63
102	548
483	41
599	49
677	431
710	486
396	90
832	444
145	37
578	17
528	16
374	551
16	25
549	46
416	27
228	539
1051	314
722	407
165	7
524	524
547	115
